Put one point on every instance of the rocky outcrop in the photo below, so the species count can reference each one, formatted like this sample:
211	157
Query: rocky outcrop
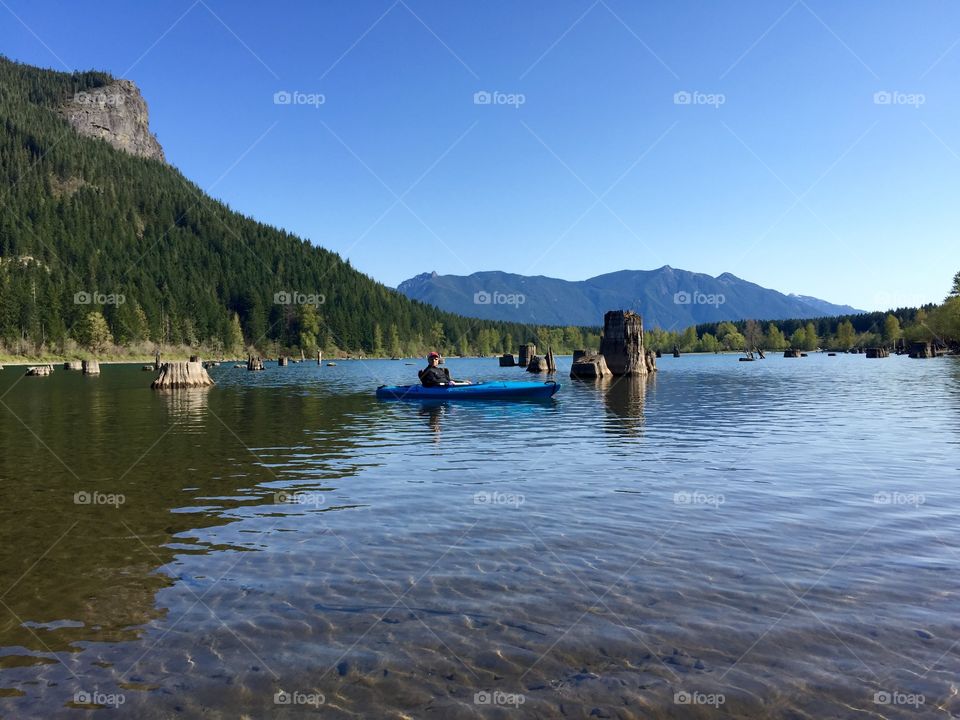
116	113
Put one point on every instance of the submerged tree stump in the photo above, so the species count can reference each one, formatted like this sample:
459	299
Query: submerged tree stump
73	365
40	370
91	367
650	360
589	367
181	375
622	343
526	353
551	362
791	353
507	360
921	350
877	352
319	357
540	364
282	361
254	363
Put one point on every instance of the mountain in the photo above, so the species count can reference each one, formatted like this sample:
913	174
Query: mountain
666	297
94	223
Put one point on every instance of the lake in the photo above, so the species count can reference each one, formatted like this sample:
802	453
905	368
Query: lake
770	539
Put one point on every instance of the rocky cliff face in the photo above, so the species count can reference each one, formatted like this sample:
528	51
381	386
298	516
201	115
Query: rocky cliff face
116	113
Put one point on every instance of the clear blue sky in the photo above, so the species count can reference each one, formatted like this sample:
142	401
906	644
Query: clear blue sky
799	180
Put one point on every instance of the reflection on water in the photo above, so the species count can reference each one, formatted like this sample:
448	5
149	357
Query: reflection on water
774	539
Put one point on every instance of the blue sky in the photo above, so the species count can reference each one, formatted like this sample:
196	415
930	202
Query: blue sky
785	167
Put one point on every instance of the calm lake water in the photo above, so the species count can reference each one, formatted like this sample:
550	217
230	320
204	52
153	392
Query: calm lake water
769	539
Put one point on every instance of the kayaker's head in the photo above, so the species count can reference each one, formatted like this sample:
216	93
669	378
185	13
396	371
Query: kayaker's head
433	359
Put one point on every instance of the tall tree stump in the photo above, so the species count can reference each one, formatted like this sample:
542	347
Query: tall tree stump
622	343
91	367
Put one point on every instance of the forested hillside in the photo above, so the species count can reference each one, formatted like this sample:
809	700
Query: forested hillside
99	248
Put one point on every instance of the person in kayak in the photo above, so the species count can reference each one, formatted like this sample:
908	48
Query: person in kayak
435	376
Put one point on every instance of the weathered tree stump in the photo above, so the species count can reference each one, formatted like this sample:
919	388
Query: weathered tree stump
540	364
91	367
181	375
877	352
921	350
676	351
551	362
507	360
73	365
282	361
659	353
319	357
650	360
254	363
590	367
40	370
622	343
526	353
791	353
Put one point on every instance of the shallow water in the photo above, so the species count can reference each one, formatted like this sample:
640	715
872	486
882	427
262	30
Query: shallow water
769	539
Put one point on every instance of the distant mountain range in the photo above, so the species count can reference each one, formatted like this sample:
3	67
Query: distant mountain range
666	297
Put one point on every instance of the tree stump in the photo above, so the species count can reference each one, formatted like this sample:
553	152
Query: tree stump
538	364
551	363
319	357
526	353
791	353
622	343
282	361
91	367
40	370
650	360
590	367
254	363
181	375
507	360
73	365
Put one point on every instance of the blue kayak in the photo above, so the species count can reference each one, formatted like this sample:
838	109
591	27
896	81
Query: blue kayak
478	391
